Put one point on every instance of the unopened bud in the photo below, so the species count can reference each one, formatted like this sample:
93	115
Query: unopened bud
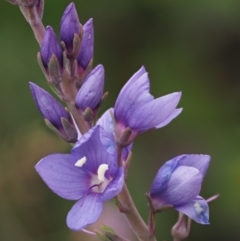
49	47
181	229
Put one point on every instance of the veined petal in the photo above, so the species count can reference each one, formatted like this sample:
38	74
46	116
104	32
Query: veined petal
114	187
174	114
184	185
152	114
201	162
90	94
84	212
197	209
63	177
134	94
162	178
91	147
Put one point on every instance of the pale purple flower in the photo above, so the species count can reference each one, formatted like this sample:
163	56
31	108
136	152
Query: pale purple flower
137	109
48	106
69	26
90	93
49	47
178	183
89	175
86	52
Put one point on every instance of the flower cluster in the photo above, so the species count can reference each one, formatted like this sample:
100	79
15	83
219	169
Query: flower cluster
96	169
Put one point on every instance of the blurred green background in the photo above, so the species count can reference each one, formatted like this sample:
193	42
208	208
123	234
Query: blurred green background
192	46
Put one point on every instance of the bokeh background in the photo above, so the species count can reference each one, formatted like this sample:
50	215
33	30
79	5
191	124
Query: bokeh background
192	46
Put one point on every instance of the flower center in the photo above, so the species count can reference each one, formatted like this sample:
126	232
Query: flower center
99	182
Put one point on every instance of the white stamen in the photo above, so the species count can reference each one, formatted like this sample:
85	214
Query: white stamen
81	162
101	172
198	207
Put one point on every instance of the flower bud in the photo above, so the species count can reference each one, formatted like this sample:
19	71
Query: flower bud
90	94
69	26
181	229
49	47
54	114
86	52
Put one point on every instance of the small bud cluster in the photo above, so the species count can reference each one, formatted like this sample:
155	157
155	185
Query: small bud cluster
96	169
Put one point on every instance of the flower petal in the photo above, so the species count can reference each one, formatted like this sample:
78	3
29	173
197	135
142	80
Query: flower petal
90	94
197	209
174	114
184	185
133	94
201	162
86	52
91	147
152	114
161	180
114	187
65	179
84	212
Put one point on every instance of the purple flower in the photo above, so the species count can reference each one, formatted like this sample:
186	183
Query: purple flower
86	52
178	183
90	94
69	26
89	174
136	108
50	109
49	47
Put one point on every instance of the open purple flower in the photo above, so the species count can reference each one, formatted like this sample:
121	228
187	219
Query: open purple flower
49	47
90	94
178	183
137	109
86	52
69	26
89	174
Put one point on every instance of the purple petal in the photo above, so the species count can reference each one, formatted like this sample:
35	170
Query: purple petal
86	52
114	187
201	162
69	25
197	209
90	94
84	212
184	185
48	106
106	121
163	175
174	114
65	179
50	46
91	147
134	94
153	113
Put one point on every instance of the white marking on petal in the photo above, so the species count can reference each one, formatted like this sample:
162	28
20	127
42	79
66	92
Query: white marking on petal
81	162
198	208
101	172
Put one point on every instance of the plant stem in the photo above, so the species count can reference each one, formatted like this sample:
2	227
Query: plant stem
35	22
128	207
